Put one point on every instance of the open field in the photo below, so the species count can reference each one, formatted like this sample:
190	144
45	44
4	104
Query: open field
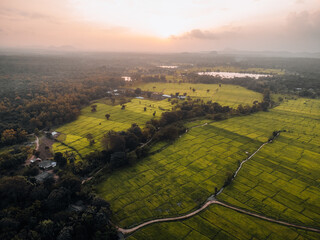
281	181
177	179
227	95
74	133
220	223
272	71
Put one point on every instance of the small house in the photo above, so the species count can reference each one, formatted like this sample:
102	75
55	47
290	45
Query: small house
43	176
47	164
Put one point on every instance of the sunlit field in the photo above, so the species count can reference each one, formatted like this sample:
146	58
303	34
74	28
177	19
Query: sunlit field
281	181
227	95
74	133
177	179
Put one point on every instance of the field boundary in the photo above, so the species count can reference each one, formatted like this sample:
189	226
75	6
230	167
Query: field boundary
207	204
212	200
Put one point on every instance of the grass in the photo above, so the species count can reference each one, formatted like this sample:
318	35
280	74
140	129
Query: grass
281	181
220	223
230	95
283	178
177	179
74	133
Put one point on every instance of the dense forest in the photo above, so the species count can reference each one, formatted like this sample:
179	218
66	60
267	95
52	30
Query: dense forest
33	96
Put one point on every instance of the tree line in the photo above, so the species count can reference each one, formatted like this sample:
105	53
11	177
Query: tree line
48	105
124	148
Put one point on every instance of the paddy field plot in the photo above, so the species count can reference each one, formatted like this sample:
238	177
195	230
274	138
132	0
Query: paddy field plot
282	180
227	95
176	180
74	134
219	223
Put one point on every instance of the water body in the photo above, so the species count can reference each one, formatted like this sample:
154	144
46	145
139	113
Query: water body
233	74
168	66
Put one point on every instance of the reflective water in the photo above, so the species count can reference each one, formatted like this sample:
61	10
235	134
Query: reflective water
233	74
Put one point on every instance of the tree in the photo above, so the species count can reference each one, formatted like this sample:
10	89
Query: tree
208	90
123	107
113	141
107	116
137	91
93	108
60	159
89	137
47	229
145	109
9	136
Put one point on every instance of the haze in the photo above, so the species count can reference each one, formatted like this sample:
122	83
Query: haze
162	26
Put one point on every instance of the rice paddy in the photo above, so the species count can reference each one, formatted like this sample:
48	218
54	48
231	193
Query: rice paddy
227	95
74	133
281	181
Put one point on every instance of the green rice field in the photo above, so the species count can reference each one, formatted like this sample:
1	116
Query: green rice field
177	179
227	95
74	133
281	181
220	223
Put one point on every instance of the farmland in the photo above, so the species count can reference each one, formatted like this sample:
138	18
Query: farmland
177	179
74	133
281	181
220	223
227	95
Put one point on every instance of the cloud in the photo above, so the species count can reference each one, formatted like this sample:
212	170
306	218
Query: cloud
198	34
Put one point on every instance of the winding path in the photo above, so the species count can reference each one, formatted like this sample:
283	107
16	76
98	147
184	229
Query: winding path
28	161
212	200
207	204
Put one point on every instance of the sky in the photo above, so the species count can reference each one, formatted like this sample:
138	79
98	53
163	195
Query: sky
161	26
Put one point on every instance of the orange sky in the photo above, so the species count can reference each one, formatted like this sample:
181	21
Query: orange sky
158	26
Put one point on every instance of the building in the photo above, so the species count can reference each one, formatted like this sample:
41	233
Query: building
182	97
47	164
43	176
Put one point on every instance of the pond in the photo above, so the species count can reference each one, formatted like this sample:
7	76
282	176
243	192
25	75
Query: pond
234	74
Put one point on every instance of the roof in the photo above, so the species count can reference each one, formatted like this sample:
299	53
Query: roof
47	164
140	97
43	176
182	97
167	96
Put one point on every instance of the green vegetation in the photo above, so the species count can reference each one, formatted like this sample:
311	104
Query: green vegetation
74	134
281	181
177	179
226	95
220	223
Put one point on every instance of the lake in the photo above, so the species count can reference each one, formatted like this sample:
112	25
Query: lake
234	74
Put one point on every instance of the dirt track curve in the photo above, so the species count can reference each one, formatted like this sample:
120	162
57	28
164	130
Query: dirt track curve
212	200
